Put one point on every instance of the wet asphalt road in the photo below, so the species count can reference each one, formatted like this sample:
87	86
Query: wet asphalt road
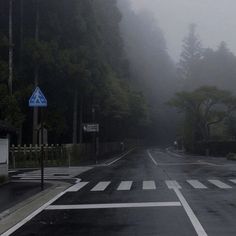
205	207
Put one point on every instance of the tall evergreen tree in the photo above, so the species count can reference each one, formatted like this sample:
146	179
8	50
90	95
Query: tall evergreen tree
190	57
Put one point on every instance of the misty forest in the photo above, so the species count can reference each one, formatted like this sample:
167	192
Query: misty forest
101	61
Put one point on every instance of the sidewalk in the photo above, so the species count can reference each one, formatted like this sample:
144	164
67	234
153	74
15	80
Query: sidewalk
22	196
13	193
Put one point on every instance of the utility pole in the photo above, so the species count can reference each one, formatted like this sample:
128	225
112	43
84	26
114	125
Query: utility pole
10	49
94	134
36	77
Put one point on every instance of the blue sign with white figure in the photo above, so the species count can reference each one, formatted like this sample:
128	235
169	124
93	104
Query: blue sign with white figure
38	99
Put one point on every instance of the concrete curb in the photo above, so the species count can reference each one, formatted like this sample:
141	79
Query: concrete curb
12	216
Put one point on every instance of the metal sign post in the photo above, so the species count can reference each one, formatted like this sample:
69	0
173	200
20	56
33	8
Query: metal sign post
39	100
94	129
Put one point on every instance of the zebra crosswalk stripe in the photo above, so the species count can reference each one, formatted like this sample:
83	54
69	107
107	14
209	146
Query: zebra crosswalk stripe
125	185
196	184
172	184
77	187
101	186
149	185
233	181
219	184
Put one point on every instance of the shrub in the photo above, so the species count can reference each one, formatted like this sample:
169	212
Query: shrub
231	156
3	179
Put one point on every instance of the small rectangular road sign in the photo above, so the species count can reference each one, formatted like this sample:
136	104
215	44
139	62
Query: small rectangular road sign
91	127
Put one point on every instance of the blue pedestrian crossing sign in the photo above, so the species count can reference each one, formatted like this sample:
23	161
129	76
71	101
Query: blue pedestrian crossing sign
38	99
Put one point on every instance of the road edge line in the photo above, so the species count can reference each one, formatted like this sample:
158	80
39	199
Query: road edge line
151	157
119	158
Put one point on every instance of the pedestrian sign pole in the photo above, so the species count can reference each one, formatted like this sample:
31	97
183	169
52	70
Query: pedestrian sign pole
39	100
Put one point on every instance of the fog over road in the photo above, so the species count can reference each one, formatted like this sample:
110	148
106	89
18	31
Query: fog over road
216	21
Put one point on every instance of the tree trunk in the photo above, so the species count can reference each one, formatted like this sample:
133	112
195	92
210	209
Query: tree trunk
36	80
21	31
10	49
19	137
81	121
75	117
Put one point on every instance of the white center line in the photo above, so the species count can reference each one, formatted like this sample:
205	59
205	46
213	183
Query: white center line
151	157
113	205
219	184
101	186
125	185
196	184
149	185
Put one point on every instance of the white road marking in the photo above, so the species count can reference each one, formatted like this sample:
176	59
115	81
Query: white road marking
171	184
208	163
125	185
233	181
119	158
195	222
101	186
180	164
77	187
196	184
32	215
151	157
219	184
113	205
149	185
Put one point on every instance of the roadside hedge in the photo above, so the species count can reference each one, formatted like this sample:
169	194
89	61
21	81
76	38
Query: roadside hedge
215	148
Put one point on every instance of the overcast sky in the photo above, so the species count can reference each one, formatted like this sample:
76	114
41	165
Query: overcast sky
216	20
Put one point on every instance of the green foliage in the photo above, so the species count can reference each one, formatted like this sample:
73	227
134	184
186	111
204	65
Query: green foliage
79	51
3	179
231	156
189	65
203	108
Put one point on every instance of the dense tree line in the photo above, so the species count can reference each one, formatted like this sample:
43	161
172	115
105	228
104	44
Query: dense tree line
74	51
208	102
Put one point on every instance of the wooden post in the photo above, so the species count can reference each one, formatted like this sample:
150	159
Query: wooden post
42	151
13	156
